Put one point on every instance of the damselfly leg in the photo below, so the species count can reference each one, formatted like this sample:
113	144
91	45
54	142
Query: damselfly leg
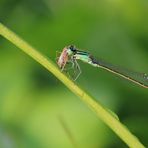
72	68
77	70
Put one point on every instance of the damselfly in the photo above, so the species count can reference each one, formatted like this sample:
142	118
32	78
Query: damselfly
71	54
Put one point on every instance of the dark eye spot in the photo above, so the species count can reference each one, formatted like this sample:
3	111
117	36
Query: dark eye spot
72	48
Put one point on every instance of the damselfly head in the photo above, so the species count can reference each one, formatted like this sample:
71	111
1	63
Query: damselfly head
72	48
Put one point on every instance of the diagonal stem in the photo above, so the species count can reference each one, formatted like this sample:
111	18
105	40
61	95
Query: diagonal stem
103	113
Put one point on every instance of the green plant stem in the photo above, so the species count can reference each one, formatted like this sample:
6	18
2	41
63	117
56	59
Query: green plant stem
67	131
101	111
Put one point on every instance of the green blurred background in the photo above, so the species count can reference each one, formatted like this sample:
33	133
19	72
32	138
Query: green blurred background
32	99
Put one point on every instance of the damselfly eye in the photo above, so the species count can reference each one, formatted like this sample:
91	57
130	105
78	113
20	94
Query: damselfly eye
72	48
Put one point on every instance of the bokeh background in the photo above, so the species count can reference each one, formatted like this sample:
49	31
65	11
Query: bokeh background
36	109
